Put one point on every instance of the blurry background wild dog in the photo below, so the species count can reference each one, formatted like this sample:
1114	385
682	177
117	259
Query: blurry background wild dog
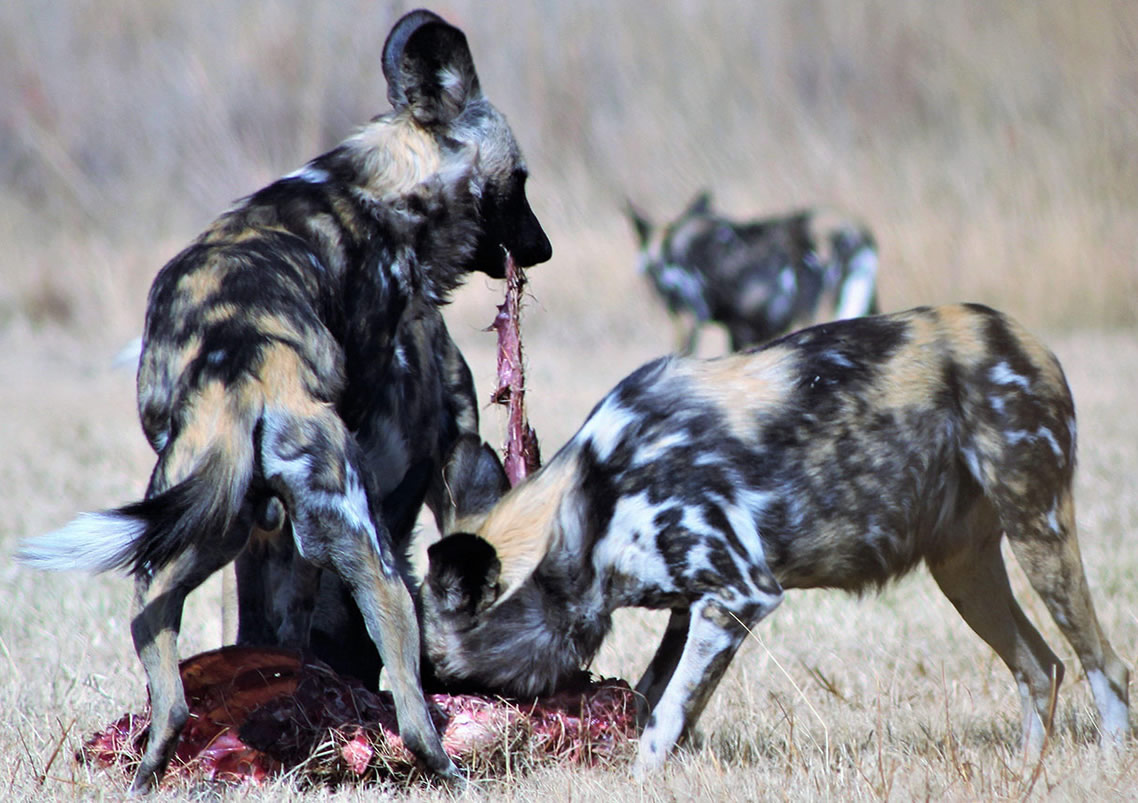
990	148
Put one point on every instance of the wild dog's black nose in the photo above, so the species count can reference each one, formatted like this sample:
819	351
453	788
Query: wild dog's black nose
532	246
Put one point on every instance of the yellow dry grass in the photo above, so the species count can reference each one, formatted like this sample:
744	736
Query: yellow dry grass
888	697
990	146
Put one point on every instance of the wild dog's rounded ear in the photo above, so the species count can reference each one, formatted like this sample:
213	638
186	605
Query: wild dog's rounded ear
700	204
463	573
475	475
428	68
639	223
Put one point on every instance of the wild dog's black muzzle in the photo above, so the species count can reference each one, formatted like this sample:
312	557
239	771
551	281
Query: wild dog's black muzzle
532	245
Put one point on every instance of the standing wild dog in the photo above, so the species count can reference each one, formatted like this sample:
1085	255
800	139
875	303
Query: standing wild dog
294	363
839	456
761	278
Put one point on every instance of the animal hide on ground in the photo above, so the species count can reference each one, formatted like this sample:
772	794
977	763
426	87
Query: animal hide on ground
256	714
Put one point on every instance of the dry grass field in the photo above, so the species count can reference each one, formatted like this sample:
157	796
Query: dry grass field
990	146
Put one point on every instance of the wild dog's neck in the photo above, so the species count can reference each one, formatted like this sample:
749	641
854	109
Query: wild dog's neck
548	618
533	521
535	643
420	195
388	215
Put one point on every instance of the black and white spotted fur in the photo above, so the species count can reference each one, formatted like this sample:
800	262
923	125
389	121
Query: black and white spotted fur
300	388
759	278
840	456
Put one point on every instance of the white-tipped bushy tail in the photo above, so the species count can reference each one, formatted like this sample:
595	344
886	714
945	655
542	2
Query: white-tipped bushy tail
93	542
146	535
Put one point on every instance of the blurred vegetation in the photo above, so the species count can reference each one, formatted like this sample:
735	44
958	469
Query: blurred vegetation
990	145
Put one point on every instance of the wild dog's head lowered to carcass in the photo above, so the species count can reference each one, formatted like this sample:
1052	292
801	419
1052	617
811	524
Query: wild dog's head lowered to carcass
840	456
297	382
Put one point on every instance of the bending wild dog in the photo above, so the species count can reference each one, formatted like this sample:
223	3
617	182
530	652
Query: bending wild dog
760	278
294	357
839	456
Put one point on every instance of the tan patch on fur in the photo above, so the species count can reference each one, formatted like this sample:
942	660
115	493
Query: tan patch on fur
283	379
962	328
467	524
160	361
283	385
199	286
323	366
239	225
277	327
913	374
189	353
523	527
329	229
219	419
397	153
954	333
743	386
220	313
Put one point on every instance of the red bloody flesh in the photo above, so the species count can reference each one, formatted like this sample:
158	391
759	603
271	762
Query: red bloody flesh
522	456
256	713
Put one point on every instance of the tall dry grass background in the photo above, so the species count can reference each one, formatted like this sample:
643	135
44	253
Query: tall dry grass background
991	146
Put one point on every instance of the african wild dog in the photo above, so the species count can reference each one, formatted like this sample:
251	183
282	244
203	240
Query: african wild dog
759	279
295	364
839	456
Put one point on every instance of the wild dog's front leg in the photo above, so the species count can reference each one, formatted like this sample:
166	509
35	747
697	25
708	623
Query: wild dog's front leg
364	561
660	671
714	634
389	614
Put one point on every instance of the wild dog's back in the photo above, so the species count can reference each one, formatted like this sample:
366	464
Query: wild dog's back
897	426
286	268
842	454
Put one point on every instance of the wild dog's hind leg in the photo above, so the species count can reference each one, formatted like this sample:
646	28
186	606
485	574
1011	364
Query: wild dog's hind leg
158	604
714	634
1048	550
316	466
975	580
